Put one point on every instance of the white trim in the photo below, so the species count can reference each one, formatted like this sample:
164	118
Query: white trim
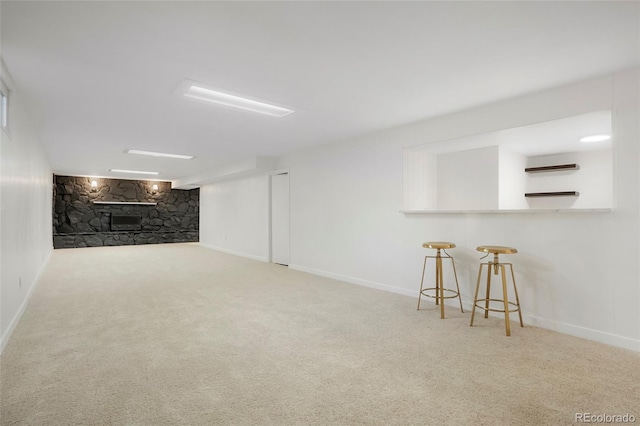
566	328
23	307
560	327
270	174
586	333
235	253
357	281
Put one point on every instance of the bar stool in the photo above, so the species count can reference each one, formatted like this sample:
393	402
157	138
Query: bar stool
497	266
439	288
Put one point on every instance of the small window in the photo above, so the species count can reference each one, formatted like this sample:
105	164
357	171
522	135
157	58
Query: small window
4	106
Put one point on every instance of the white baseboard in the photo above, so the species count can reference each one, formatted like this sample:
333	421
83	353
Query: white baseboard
235	253
586	333
560	327
357	281
16	319
566	328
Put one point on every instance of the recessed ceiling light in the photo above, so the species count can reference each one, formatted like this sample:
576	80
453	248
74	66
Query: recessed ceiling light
208	95
137	172
159	154
595	138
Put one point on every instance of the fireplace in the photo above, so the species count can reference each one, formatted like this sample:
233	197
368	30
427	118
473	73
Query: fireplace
126	222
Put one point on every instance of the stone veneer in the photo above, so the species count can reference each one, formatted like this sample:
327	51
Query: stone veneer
77	222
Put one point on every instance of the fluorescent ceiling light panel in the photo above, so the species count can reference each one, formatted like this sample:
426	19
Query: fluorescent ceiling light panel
137	172
595	138
225	99
159	154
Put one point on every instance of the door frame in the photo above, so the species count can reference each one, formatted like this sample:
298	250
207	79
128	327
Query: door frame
269	210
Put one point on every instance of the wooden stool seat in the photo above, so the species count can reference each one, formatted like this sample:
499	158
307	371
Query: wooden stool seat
439	288
498	267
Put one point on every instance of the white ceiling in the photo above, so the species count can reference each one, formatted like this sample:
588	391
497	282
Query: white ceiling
101	77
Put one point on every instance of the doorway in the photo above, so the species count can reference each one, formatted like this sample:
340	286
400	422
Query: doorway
280	218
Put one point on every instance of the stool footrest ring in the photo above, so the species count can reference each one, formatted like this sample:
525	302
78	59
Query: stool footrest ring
454	294
517	308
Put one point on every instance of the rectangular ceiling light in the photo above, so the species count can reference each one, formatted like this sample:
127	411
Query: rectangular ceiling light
159	154
133	171
220	98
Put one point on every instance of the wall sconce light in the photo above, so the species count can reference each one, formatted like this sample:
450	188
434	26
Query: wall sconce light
94	186
154	189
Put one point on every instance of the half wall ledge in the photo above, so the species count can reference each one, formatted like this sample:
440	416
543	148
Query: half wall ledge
594	210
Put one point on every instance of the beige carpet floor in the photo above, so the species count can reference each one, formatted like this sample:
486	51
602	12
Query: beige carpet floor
178	334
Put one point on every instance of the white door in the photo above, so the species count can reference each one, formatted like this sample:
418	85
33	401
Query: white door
280	219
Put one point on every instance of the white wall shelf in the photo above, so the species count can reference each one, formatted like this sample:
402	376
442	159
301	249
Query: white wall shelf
556	168
553	194
137	203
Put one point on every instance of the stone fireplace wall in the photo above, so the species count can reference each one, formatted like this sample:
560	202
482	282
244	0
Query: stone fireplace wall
78	222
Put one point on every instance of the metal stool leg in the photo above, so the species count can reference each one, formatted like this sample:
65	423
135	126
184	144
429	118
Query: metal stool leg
486	303
422	281
515	289
475	297
440	284
437	282
455	274
507	320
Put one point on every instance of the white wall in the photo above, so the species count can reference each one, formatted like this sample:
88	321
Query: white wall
468	180
512	185
25	213
234	216
420	180
578	273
